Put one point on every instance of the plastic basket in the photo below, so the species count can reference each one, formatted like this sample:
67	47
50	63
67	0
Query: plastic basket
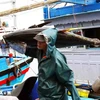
82	93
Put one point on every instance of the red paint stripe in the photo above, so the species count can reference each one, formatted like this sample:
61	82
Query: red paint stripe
12	77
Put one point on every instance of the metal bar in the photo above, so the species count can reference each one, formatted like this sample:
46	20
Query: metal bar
70	10
85	2
74	1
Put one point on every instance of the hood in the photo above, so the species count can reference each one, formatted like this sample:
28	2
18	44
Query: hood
50	36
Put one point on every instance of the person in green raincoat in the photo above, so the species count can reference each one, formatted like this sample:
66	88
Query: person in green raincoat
54	74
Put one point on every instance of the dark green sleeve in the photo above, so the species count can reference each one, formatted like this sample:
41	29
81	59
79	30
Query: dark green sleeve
65	76
31	51
63	72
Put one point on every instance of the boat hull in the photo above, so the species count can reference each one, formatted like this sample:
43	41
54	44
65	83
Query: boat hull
14	73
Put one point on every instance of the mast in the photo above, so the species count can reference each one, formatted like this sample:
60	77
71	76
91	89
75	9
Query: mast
28	7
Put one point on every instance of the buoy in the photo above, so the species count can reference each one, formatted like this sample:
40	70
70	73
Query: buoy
10	58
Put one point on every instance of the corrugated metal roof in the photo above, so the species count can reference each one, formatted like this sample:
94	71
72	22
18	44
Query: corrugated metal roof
86	19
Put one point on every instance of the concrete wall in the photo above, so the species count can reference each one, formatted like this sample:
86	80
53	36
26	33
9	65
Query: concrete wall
84	63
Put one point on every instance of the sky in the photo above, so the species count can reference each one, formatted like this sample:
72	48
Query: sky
23	19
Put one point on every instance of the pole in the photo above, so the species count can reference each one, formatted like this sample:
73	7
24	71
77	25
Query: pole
29	7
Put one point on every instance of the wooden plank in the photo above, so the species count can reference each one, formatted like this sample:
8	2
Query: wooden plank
64	38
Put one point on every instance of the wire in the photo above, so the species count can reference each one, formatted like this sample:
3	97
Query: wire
32	69
75	17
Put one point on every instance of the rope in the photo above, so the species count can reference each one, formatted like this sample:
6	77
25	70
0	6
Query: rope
31	68
75	17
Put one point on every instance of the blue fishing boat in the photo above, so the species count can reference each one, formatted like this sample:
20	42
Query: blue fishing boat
13	73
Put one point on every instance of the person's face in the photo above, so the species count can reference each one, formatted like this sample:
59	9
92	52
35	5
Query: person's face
41	45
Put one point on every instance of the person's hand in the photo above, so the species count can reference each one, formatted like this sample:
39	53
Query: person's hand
96	42
23	44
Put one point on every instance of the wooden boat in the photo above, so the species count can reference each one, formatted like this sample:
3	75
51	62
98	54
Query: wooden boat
14	72
12	66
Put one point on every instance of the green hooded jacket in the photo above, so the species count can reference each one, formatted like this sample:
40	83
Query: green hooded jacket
54	74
